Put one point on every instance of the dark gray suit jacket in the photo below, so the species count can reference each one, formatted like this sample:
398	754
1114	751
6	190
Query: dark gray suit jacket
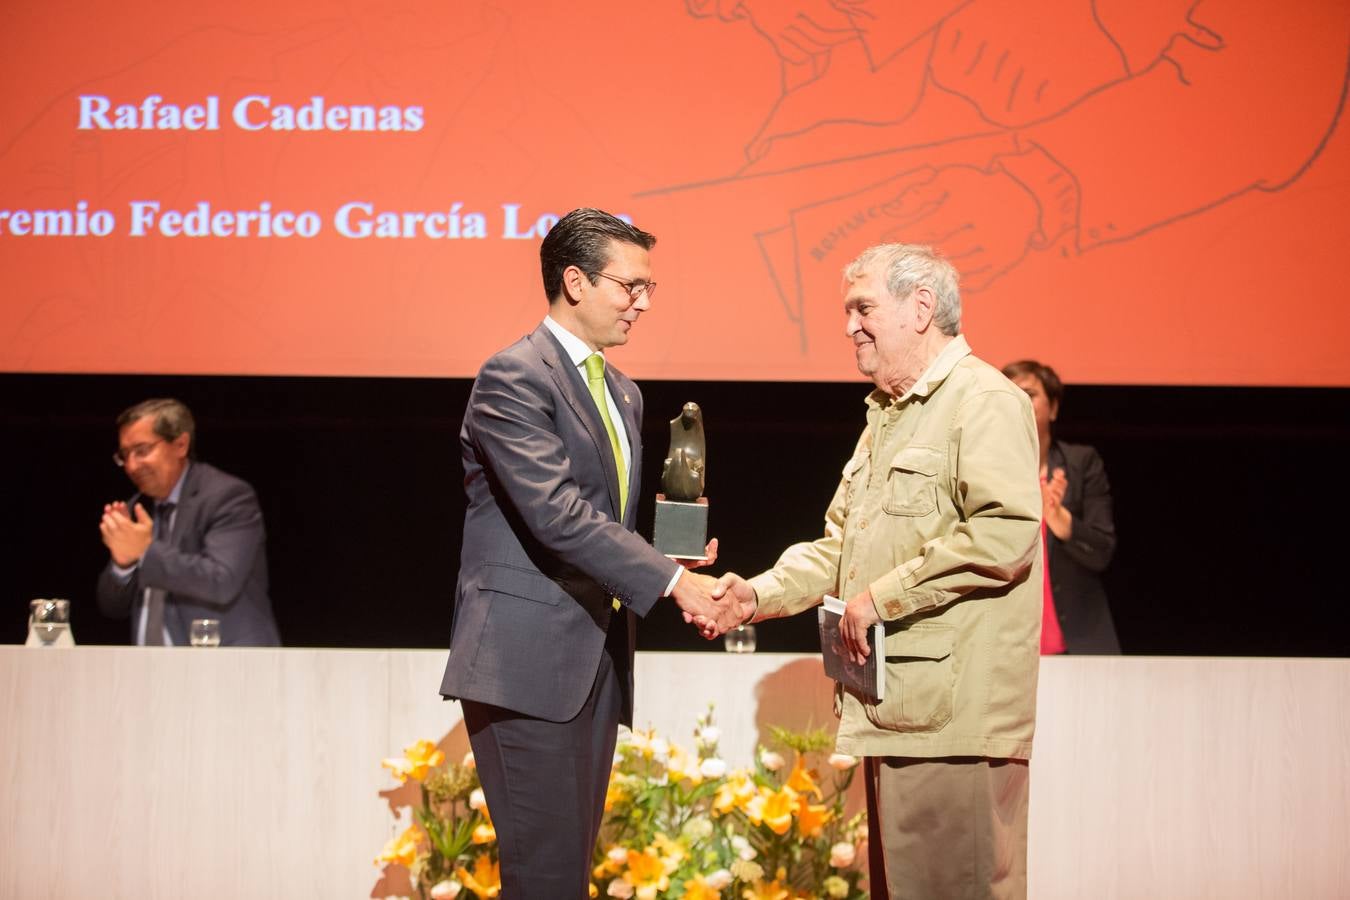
213	566
545	551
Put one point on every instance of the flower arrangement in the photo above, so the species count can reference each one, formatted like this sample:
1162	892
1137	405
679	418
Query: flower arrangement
678	823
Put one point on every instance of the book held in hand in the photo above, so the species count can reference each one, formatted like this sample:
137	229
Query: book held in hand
869	679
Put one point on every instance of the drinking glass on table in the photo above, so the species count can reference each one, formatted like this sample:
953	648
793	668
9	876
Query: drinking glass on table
205	633
740	639
49	620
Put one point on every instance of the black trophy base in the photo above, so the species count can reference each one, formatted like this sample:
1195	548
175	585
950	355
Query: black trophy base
681	530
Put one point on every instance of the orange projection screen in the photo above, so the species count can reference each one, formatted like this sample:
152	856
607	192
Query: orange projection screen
1139	192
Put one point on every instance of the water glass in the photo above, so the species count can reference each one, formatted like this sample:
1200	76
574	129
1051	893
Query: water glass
205	633
740	639
49	620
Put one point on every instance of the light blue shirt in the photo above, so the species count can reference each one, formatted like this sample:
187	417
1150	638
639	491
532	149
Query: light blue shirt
124	574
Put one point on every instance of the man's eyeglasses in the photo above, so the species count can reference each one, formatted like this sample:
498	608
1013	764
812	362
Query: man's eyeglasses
635	289
138	453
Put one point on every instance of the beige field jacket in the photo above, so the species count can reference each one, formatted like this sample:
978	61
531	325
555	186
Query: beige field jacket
938	512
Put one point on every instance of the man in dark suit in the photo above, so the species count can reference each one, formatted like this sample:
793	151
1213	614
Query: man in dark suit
551	572
198	555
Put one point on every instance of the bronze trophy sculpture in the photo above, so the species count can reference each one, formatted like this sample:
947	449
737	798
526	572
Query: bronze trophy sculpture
681	530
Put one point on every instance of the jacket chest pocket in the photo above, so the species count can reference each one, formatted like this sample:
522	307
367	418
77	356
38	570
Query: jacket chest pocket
854	477
911	483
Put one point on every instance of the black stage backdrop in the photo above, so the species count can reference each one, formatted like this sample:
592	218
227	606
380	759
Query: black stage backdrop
1230	502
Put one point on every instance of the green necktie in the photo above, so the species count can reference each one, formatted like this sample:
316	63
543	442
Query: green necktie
595	379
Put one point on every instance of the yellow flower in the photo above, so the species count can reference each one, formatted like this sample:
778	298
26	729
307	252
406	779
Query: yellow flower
486	880
803	781
647	873
682	765
615	793
595	891
402	849
773	808
774	890
672	854
697	888
811	818
734	793
419	757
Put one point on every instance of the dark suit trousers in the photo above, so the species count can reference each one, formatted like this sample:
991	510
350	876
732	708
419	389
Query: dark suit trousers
545	782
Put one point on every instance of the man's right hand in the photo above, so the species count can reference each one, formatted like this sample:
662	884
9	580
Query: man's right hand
126	536
694	595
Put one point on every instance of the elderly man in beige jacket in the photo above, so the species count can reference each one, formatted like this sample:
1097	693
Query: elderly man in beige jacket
933	530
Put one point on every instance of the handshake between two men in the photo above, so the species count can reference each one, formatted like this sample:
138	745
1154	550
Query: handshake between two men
713	605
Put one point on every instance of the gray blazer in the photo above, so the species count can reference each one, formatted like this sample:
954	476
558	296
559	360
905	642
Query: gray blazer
545	552
213	565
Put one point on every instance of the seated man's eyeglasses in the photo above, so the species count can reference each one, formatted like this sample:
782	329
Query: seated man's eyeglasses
138	453
635	289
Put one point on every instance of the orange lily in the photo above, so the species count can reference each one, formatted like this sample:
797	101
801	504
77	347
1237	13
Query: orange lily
811	817
402	849
773	808
774	890
419	758
803	780
697	889
646	873
486	880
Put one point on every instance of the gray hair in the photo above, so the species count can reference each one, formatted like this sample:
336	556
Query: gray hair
910	266
172	418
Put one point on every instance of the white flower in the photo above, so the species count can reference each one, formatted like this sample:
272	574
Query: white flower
468	762
842	854
619	888
698	829
719	880
617	855
660	748
477	800
712	767
842	761
446	890
743	848
709	734
770	760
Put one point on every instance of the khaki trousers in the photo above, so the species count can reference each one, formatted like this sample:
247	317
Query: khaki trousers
947	829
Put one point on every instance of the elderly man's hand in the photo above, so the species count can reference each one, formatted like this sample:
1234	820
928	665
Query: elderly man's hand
126	537
859	616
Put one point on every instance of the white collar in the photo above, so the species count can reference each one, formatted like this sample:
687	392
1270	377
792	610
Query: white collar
575	347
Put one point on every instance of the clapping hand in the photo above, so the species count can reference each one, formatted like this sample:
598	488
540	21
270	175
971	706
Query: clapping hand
1057	518
127	537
